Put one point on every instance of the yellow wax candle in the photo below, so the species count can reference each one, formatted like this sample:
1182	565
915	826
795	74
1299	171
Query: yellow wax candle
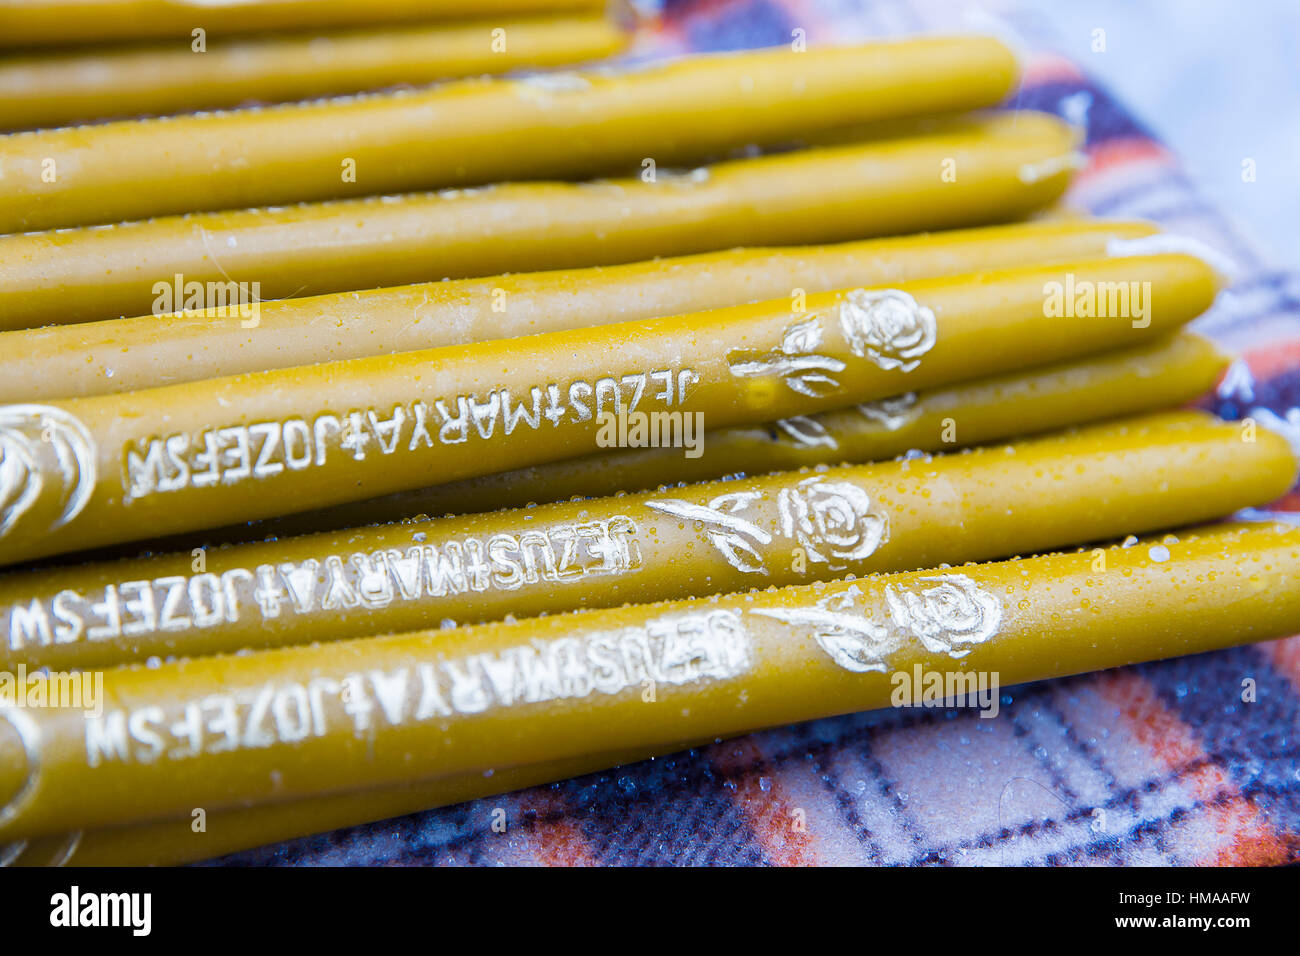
172	842
222	261
113	468
56	89
29	23
306	721
1162	374
787	528
482	131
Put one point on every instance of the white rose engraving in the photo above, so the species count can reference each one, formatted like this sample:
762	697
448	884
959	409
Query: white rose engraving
952	612
887	326
833	521
947	617
40	444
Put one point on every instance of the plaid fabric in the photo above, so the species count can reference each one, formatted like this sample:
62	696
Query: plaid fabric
1156	764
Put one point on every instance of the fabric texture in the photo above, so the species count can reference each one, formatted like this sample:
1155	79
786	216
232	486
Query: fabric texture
1156	764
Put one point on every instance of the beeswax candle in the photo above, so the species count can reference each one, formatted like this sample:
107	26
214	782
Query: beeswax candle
482	131
28	23
222	267
113	468
1137	475
1163	374
306	721
55	89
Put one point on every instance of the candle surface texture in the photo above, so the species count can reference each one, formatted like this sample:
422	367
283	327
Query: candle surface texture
471	132
304	721
1132	476
226	269
106	469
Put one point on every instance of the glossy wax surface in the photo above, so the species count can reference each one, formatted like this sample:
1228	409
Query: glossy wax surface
27	23
171	842
792	527
1163	374
145	464
283	724
822	194
481	131
42	90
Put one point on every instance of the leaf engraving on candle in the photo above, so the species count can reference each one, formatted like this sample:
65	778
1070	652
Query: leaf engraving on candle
805	432
954	611
794	361
39	443
892	413
732	535
833	521
852	640
887	326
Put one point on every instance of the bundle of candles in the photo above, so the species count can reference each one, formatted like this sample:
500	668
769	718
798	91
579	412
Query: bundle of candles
815	387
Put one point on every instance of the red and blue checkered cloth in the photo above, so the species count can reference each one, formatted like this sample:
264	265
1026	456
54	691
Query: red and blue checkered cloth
1157	764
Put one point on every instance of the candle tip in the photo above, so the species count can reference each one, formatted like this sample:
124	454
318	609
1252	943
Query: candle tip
981	21
1165	242
1034	172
